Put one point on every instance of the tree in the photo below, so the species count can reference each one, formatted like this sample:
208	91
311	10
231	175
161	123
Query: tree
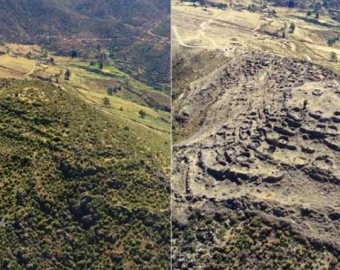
292	28
317	15
106	102
334	57
67	75
74	53
252	8
142	114
101	65
51	61
317	8
291	3
272	13
332	40
45	54
111	91
325	3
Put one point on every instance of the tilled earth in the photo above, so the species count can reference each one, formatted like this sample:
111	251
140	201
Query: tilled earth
256	184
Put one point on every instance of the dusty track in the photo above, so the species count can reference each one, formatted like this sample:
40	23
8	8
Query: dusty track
32	70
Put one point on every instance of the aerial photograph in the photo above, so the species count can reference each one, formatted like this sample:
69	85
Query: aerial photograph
256	134
85	130
170	134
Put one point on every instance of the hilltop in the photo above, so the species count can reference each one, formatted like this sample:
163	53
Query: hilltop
256	125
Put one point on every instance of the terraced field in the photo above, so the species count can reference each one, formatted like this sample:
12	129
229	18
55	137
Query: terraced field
236	30
91	83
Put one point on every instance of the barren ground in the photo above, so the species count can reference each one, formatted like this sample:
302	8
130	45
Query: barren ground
255	171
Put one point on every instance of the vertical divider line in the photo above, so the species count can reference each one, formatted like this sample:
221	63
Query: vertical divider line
171	141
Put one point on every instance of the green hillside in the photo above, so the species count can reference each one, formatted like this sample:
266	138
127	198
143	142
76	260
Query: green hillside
79	189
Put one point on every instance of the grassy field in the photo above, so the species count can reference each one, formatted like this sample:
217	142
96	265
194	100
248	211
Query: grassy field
15	67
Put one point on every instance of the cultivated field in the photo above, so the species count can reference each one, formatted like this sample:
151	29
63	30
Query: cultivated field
91	84
235	31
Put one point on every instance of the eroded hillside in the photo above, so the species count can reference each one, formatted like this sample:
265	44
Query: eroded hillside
256	161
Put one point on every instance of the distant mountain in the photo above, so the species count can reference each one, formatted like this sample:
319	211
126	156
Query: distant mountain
22	20
135	12
77	190
125	27
330	6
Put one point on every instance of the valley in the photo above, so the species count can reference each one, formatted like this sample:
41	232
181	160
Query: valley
127	97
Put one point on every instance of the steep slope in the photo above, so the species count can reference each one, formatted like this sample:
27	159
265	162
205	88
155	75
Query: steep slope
22	19
123	29
134	12
79	190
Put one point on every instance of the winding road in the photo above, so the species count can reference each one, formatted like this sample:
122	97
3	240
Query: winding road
201	33
181	42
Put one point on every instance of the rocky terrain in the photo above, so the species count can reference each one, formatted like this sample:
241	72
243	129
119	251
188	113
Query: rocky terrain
256	130
256	181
